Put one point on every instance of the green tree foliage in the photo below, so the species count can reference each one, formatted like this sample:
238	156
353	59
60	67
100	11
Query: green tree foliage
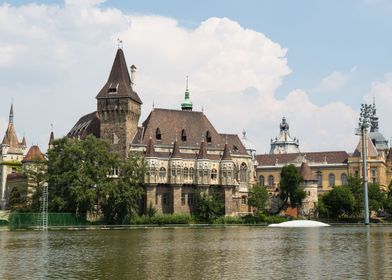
121	200
258	197
290	186
17	200
209	206
339	201
75	169
376	196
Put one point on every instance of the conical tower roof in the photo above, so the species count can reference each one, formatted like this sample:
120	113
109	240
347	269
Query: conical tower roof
119	81
34	155
10	137
150	151
187	104
306	173
24	142
202	151
226	153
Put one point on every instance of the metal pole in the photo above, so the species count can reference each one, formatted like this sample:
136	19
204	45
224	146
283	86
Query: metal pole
364	172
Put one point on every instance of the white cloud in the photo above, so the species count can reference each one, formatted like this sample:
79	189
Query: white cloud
382	92
335	81
234	72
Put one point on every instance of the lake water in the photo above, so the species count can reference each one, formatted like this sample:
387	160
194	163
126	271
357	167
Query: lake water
338	252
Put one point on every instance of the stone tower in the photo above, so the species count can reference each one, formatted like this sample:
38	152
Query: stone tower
309	185
118	106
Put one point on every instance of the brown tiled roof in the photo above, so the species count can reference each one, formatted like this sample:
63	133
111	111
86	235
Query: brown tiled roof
371	149
306	173
332	157
150	151
119	80
34	155
195	124
88	124
202	154
10	137
234	144
176	151
226	153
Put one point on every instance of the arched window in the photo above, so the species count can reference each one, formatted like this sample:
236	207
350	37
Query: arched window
208	137
191	173
243	173
162	172
319	175
186	174
343	177
261	180
331	180
270	180
214	174
183	135
158	134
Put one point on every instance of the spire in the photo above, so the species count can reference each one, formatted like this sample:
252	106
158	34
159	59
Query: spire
187	104
176	151
150	152
51	137
24	144
11	116
10	137
226	153
119	83
202	151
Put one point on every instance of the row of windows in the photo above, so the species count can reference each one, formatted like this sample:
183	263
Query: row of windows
158	135
189	173
331	179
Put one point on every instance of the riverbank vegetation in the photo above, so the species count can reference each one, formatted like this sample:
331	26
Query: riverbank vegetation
347	202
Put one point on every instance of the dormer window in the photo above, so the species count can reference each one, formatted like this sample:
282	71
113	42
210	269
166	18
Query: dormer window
208	137
158	134
113	88
183	135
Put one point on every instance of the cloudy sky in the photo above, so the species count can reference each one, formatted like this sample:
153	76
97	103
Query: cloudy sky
249	63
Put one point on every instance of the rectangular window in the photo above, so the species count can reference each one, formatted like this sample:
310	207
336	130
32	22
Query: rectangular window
183	198
165	199
191	199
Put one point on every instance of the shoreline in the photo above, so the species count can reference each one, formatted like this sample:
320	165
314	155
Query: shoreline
165	226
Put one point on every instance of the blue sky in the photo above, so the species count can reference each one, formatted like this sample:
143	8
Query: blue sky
336	50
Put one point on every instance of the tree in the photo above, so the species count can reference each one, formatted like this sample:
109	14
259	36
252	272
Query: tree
339	201
17	200
35	172
122	200
290	186
258	197
209	206
75	169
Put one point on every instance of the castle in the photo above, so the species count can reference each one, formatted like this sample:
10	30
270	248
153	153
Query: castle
186	154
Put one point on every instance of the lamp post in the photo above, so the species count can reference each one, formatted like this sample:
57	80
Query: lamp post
364	123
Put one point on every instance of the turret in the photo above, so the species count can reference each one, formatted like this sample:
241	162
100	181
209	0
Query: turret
187	104
119	106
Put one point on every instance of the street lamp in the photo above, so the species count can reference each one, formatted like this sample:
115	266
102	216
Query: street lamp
364	124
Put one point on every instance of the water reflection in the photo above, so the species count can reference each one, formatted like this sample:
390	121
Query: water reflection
343	252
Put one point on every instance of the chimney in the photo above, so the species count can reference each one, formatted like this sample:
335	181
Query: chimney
133	73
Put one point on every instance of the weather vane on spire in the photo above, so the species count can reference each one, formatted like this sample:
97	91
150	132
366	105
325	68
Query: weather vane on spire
119	43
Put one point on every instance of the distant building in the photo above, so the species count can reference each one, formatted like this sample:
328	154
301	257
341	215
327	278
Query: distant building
12	153
330	168
284	143
184	152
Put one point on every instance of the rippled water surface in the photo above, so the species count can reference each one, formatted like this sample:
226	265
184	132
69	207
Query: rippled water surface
340	252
